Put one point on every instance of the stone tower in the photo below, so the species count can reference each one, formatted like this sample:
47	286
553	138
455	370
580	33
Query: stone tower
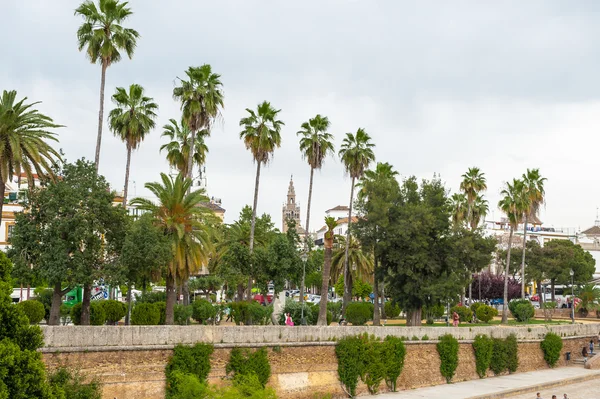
291	210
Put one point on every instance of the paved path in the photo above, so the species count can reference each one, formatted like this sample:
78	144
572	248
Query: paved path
582	390
494	385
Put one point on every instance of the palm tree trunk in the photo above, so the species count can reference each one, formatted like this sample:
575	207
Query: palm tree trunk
127	176
376	315
505	304
382	295
2	192
100	114
347	278
310	188
190	160
523	259
129	304
85	304
322	320
171	297
253	224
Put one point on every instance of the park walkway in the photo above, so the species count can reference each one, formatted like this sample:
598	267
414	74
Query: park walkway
500	387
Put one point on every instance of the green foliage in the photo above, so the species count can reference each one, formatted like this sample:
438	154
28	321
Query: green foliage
549	305
69	385
114	310
465	314
203	311
392	310
551	345
505	355
484	348
151	297
162	311
358	313
145	314
475	305
311	312
244	386
45	297
486	313
182	314
373	363
34	310
188	360
432	312
524	312
181	385
97	314
393	354
250	313
512	306
336	310
512	348
448	351
350	354
244	362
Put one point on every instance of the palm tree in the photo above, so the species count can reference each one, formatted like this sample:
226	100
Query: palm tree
360	263
179	213
261	135
131	121
512	205
473	183
479	210
330	222
356	154
534	195
104	38
458	203
201	98
178	148
24	136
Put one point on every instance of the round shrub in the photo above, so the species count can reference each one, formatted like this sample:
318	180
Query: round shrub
97	314
483	347
512	306
336	310
162	311
524	312
486	313
448	351
464	313
34	310
182	314
203	311
358	313
551	345
145	314
115	310
474	306
392	310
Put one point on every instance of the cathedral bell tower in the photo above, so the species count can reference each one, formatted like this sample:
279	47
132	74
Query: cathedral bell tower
291	210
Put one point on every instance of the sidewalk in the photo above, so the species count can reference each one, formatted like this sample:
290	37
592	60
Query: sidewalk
499	387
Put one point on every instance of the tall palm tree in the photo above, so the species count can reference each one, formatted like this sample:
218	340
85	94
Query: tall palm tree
201	97
512	205
131	121
356	154
472	184
534	196
262	135
330	222
360	262
179	213
178	148
458	203
105	38
24	147
479	210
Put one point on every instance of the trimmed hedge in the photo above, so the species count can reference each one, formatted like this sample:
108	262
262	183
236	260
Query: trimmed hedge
505	355
188	363
115	310
393	353
358	313
486	313
484	348
97	314
448	351
34	310
551	345
145	314
244	362
350	352
182	314
521	309
203	311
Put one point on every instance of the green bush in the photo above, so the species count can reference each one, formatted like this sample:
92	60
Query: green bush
448	351
243	362
465	314
115	310
393	354
549	305
182	314
512	348
483	347
70	385
524	312
97	314
486	313
358	313
45	297
244	386
392	310
145	314
373	363
188	360
551	345
151	297
185	386
311	313
250	313
65	313
162	311
474	306
203	311
350	354
34	310
336	310
499	360
432	312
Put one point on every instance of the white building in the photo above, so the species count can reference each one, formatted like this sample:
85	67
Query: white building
340	213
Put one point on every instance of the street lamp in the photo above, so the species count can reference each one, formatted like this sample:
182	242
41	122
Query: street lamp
572	273
304	258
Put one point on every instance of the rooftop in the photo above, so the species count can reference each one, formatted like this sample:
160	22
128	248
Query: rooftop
339	208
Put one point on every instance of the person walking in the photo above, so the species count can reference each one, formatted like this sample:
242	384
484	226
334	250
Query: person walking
288	320
565	396
591	346
538	396
455	319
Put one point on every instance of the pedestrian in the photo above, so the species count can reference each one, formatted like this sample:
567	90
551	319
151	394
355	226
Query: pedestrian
538	396
288	320
584	353
455	319
565	396
591	346
553	396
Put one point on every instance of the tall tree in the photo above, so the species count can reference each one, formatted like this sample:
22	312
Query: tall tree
331	223
534	197
262	135
24	147
131	121
458	203
472	184
356	154
360	261
179	214
201	97
178	148
513	206
104	38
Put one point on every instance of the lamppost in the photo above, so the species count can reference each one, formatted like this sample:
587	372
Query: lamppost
304	258
572	273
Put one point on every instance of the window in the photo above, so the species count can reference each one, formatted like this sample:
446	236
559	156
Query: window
9	231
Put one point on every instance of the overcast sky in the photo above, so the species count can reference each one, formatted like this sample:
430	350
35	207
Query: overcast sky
440	86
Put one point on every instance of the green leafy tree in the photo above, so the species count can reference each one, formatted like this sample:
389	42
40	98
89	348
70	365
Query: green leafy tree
24	147
356	153
178	148
104	38
262	135
131	121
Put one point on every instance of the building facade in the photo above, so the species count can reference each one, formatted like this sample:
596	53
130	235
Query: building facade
291	210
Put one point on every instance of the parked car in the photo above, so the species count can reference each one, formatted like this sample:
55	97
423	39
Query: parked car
263	299
497	301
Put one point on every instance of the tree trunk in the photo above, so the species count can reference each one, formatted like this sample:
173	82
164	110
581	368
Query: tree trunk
125	189
185	290
28	291
2	192
322	320
505	304
85	305
523	259
376	315
413	317
383	314
471	290
100	114
540	292
240	292
129	304
171	297
310	188
55	307
347	277
253	224
190	160
552	290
